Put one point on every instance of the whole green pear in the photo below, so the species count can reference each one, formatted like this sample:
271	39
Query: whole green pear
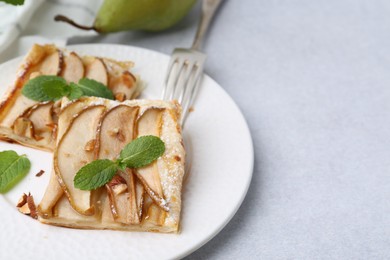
149	15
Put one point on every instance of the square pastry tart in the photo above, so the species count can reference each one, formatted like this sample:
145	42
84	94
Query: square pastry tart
34	123
143	199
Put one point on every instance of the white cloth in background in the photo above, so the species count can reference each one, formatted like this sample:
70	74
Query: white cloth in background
14	20
33	22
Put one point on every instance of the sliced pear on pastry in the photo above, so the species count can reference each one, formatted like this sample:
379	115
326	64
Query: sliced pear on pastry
73	69
52	64
153	213
70	155
69	110
124	85
115	131
67	113
52	194
24	127
41	117
150	123
50	60
139	199
146	199
72	219
121	199
96	70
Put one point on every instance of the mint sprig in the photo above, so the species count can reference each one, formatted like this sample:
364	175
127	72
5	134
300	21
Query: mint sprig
139	153
52	88
94	88
13	2
95	174
74	91
45	88
12	169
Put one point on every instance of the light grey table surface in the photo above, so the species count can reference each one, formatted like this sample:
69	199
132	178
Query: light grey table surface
313	81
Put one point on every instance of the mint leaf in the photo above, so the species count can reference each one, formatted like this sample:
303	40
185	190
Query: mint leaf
12	169
94	88
95	174
52	88
138	153
74	91
45	88
141	151
55	89
13	2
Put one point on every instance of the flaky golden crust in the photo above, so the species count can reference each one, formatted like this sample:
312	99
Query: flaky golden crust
49	60
169	167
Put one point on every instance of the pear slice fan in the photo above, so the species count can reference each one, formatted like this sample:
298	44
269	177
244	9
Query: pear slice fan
145	199
33	123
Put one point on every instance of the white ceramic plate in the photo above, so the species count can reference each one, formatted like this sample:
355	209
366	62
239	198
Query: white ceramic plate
222	165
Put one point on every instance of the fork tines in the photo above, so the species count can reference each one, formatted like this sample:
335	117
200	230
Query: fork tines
184	75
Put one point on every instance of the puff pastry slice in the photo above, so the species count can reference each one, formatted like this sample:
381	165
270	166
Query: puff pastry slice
145	199
33	123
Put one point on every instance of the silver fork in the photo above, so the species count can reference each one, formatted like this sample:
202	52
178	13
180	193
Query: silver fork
185	69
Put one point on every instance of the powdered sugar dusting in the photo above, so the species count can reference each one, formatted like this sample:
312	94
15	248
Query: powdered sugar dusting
171	164
171	169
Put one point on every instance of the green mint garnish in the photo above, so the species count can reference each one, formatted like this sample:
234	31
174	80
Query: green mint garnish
12	169
95	174
45	88
74	91
141	152
13	2
138	153
52	88
94	88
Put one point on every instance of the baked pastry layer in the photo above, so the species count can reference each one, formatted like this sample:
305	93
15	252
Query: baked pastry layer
145	199
33	123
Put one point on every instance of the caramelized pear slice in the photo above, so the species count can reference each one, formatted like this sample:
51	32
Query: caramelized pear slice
97	70
73	69
152	213
64	211
67	113
52	194
116	130
24	127
118	198
70	156
41	117
152	180
107	215
123	85
40	60
51	64
139	192
150	123
132	216
122	198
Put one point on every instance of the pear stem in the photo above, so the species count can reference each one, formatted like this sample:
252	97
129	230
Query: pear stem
62	18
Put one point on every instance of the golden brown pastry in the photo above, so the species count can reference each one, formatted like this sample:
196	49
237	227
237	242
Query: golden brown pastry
33	123
144	199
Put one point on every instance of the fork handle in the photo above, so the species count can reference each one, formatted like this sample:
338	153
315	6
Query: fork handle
208	9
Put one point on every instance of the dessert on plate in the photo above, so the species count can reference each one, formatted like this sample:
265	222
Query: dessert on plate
143	199
33	123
